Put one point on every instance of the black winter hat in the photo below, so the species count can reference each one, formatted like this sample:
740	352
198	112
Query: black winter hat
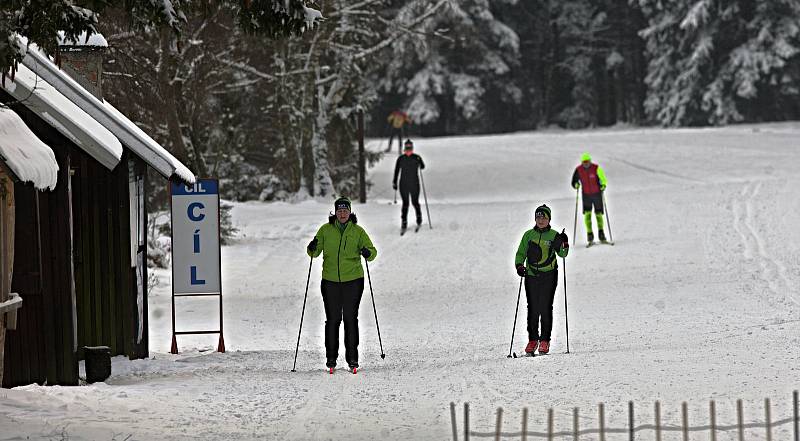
408	144
342	202
544	209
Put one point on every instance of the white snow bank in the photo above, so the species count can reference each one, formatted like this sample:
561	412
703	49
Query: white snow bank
80	128
27	156
95	39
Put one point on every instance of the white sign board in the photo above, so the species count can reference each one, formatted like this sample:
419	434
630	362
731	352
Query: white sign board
195	238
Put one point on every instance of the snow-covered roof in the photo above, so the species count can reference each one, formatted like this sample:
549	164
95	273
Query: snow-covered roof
104	113
47	102
96	39
27	156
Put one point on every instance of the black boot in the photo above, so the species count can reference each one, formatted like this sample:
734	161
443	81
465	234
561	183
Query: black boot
590	237
601	235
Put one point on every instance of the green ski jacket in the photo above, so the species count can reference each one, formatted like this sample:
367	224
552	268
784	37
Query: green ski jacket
341	261
535	249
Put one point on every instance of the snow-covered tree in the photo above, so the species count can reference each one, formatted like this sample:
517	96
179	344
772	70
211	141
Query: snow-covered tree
458	57
41	20
716	62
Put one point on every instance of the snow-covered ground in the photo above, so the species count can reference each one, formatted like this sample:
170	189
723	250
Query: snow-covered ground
698	300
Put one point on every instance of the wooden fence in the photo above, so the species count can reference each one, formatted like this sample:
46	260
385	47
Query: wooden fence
711	429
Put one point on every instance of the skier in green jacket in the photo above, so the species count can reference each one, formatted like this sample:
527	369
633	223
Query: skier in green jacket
536	261
342	243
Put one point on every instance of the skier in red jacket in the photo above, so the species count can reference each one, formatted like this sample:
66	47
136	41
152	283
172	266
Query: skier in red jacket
592	179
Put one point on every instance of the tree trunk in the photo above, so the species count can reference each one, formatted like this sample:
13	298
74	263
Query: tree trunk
323	184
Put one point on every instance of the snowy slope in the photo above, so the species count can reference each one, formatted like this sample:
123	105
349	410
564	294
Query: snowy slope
698	300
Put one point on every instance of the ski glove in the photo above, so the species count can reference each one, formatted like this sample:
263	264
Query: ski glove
312	246
561	241
521	270
394	185
365	252
602	188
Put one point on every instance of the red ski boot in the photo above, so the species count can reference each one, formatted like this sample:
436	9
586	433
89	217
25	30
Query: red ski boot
531	348
544	346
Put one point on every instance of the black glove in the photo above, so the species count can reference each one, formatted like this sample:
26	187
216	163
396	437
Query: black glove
561	241
312	246
394	185
365	252
564	239
521	270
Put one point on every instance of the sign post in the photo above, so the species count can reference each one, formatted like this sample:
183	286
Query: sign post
196	263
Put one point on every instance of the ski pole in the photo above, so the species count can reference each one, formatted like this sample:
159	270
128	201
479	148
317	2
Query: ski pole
395	196
575	225
425	195
516	310
372	294
566	315
608	218
302	315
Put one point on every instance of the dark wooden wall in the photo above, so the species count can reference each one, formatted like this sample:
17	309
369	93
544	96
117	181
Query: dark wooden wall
105	278
94	251
40	350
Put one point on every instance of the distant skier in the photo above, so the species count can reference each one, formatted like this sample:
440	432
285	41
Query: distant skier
342	243
536	261
407	166
397	121
592	179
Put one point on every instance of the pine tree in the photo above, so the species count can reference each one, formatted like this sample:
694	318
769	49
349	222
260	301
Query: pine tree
716	62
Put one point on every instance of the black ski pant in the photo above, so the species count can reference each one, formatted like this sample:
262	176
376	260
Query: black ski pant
341	301
399	133
540	290
413	192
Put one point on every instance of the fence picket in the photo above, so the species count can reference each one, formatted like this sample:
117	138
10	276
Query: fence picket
713	415
740	419
631	429
498	426
453	420
601	411
658	421
685	419
524	423
767	419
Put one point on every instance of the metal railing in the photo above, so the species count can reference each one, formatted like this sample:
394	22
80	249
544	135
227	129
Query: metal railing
550	433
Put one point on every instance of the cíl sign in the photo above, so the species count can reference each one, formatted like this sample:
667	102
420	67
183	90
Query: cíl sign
195	238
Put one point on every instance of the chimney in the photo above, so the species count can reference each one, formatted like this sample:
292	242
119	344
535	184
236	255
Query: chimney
83	61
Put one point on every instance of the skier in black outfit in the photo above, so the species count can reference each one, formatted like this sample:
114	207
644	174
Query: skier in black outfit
407	167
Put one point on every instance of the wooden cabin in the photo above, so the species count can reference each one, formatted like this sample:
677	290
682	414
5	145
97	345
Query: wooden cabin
81	267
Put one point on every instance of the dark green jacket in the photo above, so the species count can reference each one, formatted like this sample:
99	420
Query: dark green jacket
341	261
535	249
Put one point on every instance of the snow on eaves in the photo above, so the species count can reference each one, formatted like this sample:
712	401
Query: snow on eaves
109	117
72	122
96	39
27	156
154	151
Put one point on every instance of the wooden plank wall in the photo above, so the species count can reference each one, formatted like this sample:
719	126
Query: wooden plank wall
102	250
41	350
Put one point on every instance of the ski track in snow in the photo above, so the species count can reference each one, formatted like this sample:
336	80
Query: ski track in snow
697	300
